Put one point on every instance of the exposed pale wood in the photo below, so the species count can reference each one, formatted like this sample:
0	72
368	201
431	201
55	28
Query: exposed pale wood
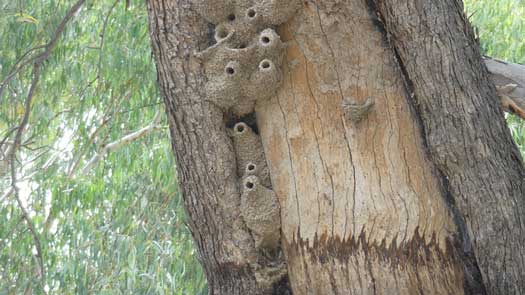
362	208
465	130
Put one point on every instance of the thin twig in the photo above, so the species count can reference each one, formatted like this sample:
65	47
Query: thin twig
29	222
140	107
111	110
109	113
61	27
38	59
6	194
19	65
4	140
9	233
83	151
154	125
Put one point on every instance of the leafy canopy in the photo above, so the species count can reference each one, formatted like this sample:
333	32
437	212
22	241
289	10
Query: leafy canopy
118	227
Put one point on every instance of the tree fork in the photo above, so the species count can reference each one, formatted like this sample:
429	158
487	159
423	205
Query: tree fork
362	207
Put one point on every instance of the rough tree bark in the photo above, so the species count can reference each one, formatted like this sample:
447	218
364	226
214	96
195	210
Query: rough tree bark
385	145
466	134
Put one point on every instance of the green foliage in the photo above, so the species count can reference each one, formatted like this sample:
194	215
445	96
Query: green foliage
500	26
119	228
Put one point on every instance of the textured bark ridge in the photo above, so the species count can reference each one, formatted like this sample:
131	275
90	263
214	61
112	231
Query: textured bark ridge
466	134
234	213
362	209
242	68
354	201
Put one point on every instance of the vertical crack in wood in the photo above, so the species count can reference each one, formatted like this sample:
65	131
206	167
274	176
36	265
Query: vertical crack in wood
466	136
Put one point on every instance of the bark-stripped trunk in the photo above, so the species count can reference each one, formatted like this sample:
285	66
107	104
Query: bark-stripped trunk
363	208
465	130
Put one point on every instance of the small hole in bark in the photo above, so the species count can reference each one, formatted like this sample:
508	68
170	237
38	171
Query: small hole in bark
230	70
265	40
251	167
249	185
240	127
231	17
265	65
251	13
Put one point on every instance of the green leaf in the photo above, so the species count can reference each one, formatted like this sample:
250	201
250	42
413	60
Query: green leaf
26	18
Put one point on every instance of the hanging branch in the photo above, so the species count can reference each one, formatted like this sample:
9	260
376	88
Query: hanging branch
29	221
76	161
108	115
37	62
103	38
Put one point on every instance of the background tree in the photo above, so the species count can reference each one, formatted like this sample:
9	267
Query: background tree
95	90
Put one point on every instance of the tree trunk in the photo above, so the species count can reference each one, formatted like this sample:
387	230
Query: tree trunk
364	208
465	130
206	162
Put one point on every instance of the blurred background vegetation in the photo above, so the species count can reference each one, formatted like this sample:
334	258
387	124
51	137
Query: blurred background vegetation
112	223
117	227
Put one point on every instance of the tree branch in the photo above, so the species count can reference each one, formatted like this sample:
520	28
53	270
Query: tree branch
509	79
154	125
102	39
108	115
76	161
38	59
30	224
